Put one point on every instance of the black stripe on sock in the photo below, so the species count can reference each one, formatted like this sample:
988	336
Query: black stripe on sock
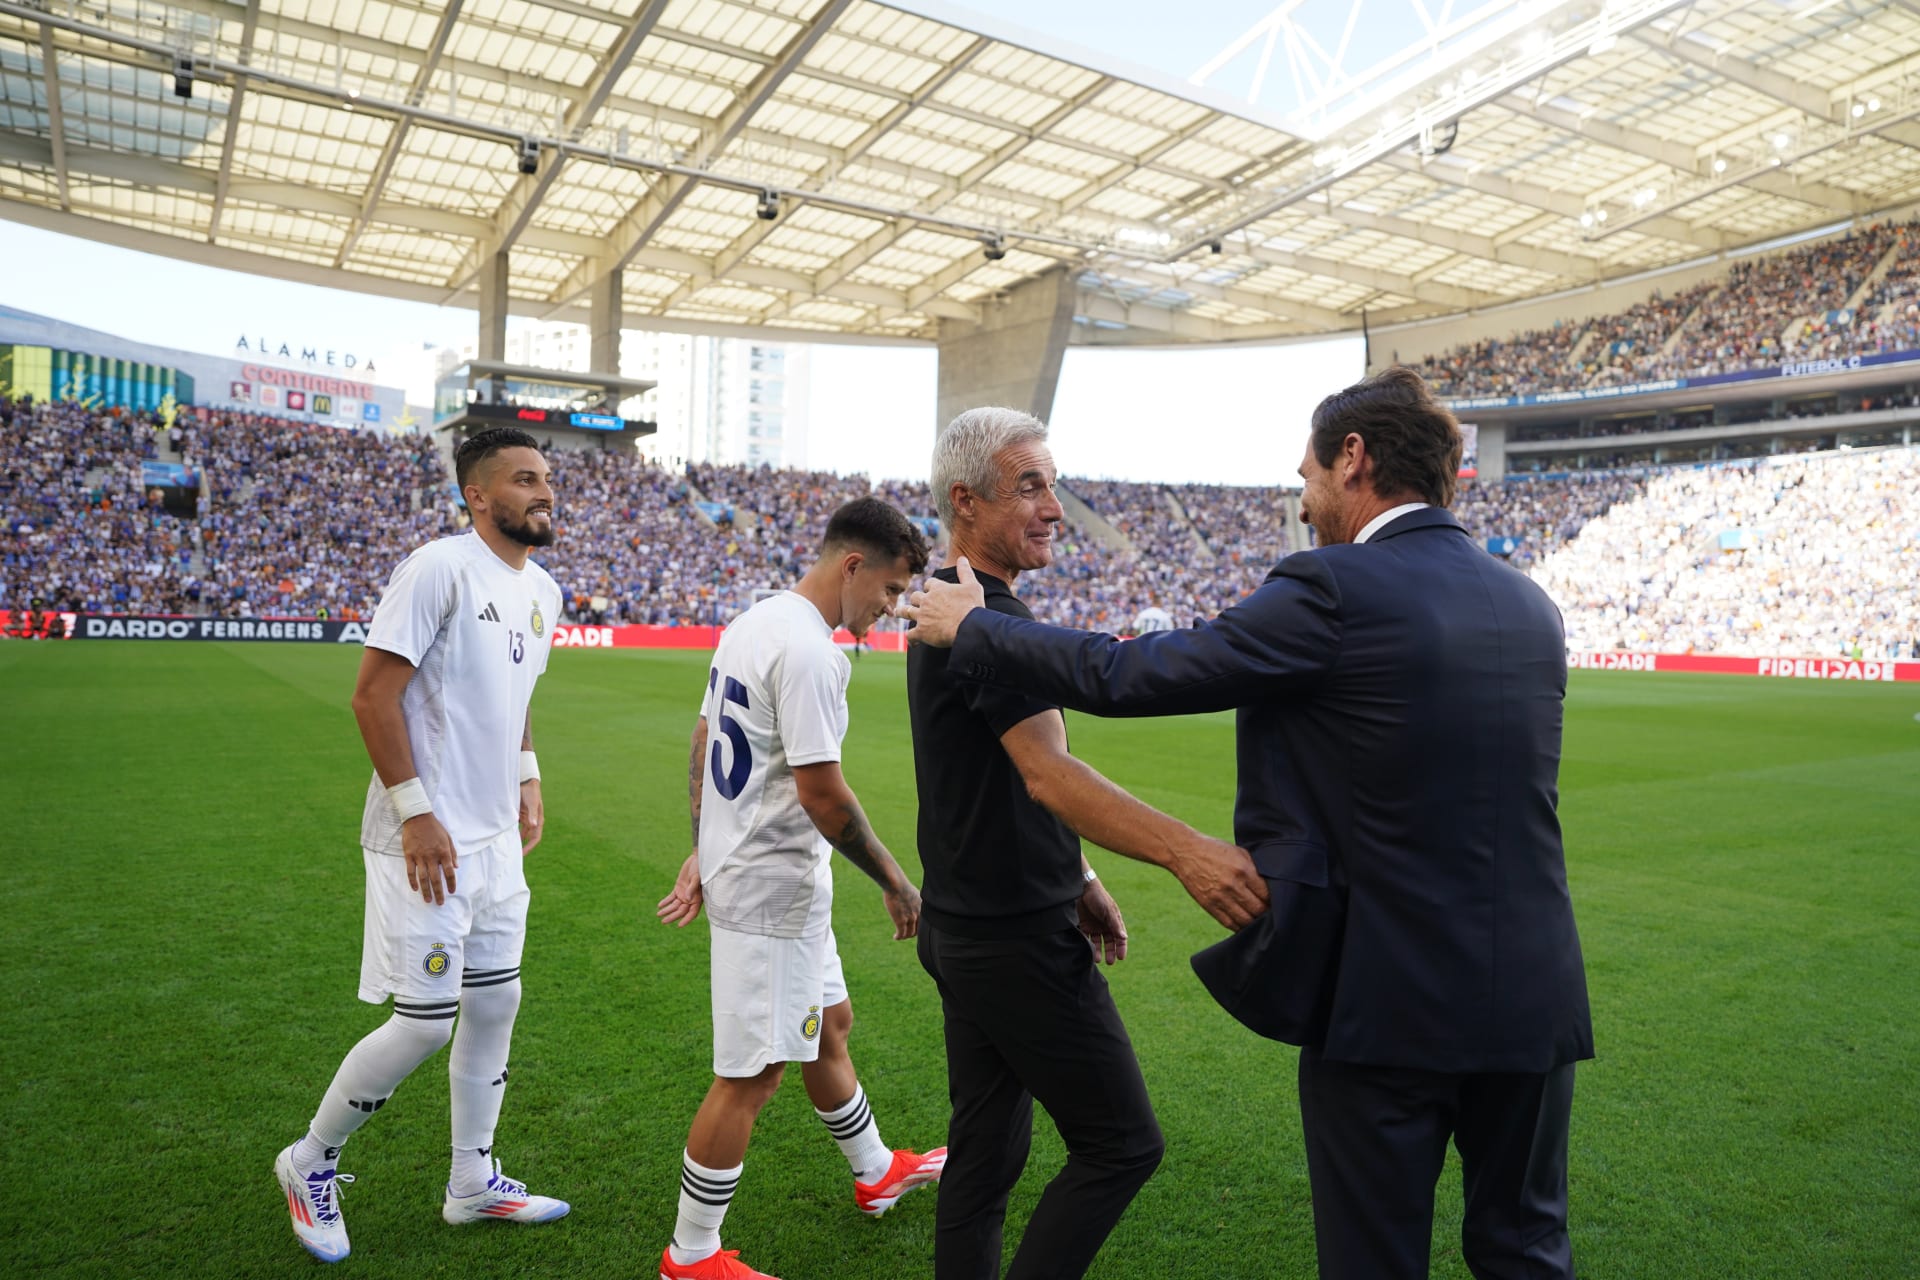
713	1186
490	982
695	1193
851	1125
491	973
429	1013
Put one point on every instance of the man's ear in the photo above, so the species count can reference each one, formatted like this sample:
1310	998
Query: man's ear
1353	451
850	564
962	499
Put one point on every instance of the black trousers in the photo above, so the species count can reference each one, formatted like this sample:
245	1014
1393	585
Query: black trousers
1376	1139
1031	1018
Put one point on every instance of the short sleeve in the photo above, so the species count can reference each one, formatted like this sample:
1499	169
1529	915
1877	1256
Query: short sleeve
811	693
557	602
1003	708
418	600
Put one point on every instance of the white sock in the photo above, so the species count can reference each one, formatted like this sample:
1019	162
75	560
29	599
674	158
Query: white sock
704	1196
858	1134
311	1153
472	1170
477	1073
372	1070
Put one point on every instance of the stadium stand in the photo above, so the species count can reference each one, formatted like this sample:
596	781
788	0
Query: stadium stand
1813	553
1791	304
296	520
1541	514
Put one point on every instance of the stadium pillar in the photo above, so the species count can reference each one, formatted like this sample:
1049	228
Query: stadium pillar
604	326
1493	452
1012	355
493	308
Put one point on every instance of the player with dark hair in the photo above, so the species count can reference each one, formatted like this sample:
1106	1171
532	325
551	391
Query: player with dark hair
769	807
461	635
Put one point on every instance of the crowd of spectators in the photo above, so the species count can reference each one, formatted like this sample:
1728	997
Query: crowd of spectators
636	545
1159	563
1747	325
1514	366
80	531
1541	515
1789	305
1631	346
1889	318
301	520
305	520
1813	556
294	519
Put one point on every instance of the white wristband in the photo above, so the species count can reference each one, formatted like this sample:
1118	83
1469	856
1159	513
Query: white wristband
409	799
1088	875
529	767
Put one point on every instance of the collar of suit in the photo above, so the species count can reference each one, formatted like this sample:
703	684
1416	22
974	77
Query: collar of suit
1386	518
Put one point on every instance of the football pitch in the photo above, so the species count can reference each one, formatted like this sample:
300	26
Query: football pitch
182	938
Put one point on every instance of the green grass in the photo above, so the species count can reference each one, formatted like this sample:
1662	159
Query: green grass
181	931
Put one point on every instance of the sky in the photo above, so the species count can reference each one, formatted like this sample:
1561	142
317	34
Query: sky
1224	415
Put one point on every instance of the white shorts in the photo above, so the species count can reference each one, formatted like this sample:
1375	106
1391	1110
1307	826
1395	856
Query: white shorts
417	950
768	998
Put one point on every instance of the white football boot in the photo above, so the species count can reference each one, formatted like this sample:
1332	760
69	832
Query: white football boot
313	1202
504	1200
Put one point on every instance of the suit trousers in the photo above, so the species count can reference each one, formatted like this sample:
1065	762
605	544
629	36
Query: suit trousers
1376	1140
1031	1018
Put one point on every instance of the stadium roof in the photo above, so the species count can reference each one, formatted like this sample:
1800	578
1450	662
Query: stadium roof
377	145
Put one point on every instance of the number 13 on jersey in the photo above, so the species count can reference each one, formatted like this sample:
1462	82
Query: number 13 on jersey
729	782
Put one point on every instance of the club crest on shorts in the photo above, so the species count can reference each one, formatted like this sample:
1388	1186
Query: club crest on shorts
437	960
810	1025
539	621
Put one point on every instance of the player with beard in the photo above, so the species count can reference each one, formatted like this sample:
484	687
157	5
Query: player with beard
461	635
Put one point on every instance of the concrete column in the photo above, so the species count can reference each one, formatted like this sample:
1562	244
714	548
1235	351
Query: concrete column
605	324
493	316
1493	452
1012	356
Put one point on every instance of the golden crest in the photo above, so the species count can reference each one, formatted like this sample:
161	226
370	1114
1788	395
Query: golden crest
539	621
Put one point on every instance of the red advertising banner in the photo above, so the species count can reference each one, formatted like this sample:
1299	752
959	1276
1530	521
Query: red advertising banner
100	626
1715	664
579	636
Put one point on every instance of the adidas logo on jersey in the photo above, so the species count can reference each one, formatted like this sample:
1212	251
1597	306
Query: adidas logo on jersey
489	614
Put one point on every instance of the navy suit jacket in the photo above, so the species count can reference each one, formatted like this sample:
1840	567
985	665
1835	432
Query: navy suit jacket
1399	709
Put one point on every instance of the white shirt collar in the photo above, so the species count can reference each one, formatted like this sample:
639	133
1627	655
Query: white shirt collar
1386	518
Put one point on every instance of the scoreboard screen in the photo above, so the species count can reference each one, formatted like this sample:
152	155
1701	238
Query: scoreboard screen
550	417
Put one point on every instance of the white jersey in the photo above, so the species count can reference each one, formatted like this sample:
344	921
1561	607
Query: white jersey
478	632
776	698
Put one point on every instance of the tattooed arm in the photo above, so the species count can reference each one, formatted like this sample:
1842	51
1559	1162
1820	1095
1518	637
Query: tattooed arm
695	782
835	811
681	906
